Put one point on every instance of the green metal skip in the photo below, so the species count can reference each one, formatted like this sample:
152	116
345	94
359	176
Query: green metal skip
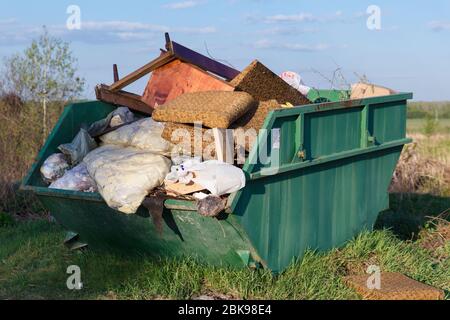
317	177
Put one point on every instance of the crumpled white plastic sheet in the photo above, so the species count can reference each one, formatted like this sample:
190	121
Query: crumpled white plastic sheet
76	179
54	167
121	116
144	134
124	176
116	118
217	177
80	146
296	81
180	170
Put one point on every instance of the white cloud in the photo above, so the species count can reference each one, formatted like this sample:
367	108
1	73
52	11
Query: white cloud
267	44
202	30
126	26
181	5
7	21
306	48
301	17
304	17
262	44
439	25
97	32
121	26
285	31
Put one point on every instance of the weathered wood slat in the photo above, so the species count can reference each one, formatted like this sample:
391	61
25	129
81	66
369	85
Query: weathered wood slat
115	73
123	98
142	71
203	62
176	78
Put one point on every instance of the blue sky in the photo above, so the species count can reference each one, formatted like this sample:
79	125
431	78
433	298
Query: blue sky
411	52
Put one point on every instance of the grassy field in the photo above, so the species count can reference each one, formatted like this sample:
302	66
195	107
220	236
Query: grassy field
419	125
33	266
412	238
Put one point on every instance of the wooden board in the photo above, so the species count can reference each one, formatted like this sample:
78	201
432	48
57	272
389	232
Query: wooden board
264	85
182	189
224	142
394	286
176	51
365	90
202	61
122	98
177	78
142	71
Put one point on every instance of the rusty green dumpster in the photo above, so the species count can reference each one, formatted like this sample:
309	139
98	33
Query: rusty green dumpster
317	177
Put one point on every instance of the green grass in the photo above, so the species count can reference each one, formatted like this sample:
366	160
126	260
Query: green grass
33	260
33	264
418	126
422	109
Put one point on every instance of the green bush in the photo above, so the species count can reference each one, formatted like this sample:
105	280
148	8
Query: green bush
431	126
420	110
6	220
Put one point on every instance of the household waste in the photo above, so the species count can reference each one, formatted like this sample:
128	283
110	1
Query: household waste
130	160
128	157
125	176
75	179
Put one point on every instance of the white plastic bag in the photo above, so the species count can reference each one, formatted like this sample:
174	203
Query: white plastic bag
144	134
124	176
296	81
116	118
76	179
218	177
81	145
121	116
54	167
180	171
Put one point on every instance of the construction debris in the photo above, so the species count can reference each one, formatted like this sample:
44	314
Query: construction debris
192	68
253	120
179	188
185	88
214	109
177	78
211	206
394	286
363	90
263	85
122	98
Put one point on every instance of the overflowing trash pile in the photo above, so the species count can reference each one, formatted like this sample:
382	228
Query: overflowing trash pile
125	165
137	151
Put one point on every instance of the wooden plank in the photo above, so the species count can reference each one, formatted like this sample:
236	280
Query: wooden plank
224	142
122	98
177	78
182	189
392	286
365	90
203	62
163	59
115	73
175	50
